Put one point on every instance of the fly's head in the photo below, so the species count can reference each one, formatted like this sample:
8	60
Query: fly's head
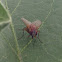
34	33
32	30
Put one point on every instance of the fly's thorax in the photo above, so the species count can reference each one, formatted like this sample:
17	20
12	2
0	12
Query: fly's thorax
32	27
32	30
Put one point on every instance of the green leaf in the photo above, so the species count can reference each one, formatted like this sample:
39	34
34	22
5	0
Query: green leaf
4	17
9	50
26	49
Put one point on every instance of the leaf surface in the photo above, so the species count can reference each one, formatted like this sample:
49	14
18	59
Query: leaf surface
49	12
4	17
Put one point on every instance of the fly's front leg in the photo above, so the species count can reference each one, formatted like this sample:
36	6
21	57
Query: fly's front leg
38	37
23	32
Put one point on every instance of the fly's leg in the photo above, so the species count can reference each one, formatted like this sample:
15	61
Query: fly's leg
22	35
39	38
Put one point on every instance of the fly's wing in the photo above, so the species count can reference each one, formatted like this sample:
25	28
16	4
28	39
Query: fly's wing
37	23
26	22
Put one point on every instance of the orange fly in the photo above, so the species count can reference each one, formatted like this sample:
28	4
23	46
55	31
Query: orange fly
32	28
